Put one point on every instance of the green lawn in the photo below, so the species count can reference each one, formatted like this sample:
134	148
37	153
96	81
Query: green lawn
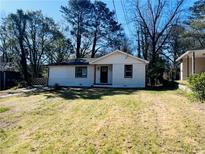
102	121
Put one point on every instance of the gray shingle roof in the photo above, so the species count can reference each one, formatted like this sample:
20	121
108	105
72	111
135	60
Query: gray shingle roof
77	61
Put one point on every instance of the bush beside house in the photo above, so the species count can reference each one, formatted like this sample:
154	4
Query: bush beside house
197	85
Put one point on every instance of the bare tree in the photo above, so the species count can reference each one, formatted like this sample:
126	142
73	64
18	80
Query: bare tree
3	42
143	42
40	33
17	29
156	18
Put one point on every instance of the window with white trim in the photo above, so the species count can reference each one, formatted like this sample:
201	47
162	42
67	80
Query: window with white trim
128	70
81	72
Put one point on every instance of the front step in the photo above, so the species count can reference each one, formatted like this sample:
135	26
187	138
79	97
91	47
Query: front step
102	85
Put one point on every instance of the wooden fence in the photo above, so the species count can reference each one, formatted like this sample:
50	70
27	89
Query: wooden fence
8	79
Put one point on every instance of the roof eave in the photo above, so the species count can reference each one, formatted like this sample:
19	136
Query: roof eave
188	52
142	60
66	64
183	55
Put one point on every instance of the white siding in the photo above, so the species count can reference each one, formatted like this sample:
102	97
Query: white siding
118	58
65	76
137	80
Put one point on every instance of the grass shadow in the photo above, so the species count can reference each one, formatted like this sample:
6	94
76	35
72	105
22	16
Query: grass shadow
167	87
82	93
93	93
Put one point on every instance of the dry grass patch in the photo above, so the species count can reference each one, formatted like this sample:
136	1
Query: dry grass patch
102	121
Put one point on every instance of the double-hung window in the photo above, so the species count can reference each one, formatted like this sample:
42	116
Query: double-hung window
128	71
81	72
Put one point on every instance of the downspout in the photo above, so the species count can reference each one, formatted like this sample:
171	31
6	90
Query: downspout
4	74
187	66
193	63
94	74
48	76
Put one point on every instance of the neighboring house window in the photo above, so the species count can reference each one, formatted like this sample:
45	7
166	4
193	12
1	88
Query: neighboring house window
81	72
128	71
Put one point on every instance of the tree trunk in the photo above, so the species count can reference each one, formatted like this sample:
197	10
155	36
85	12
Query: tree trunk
138	44
35	71
78	46
94	45
23	60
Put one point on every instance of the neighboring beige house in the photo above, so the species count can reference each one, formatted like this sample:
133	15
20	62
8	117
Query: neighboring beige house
191	62
116	69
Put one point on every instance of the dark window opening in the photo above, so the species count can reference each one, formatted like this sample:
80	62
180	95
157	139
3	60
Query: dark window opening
81	72
128	71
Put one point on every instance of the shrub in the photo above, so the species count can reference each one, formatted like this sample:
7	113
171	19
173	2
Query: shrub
170	84
197	85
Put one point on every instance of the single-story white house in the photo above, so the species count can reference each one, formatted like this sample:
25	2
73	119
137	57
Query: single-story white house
191	62
116	69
